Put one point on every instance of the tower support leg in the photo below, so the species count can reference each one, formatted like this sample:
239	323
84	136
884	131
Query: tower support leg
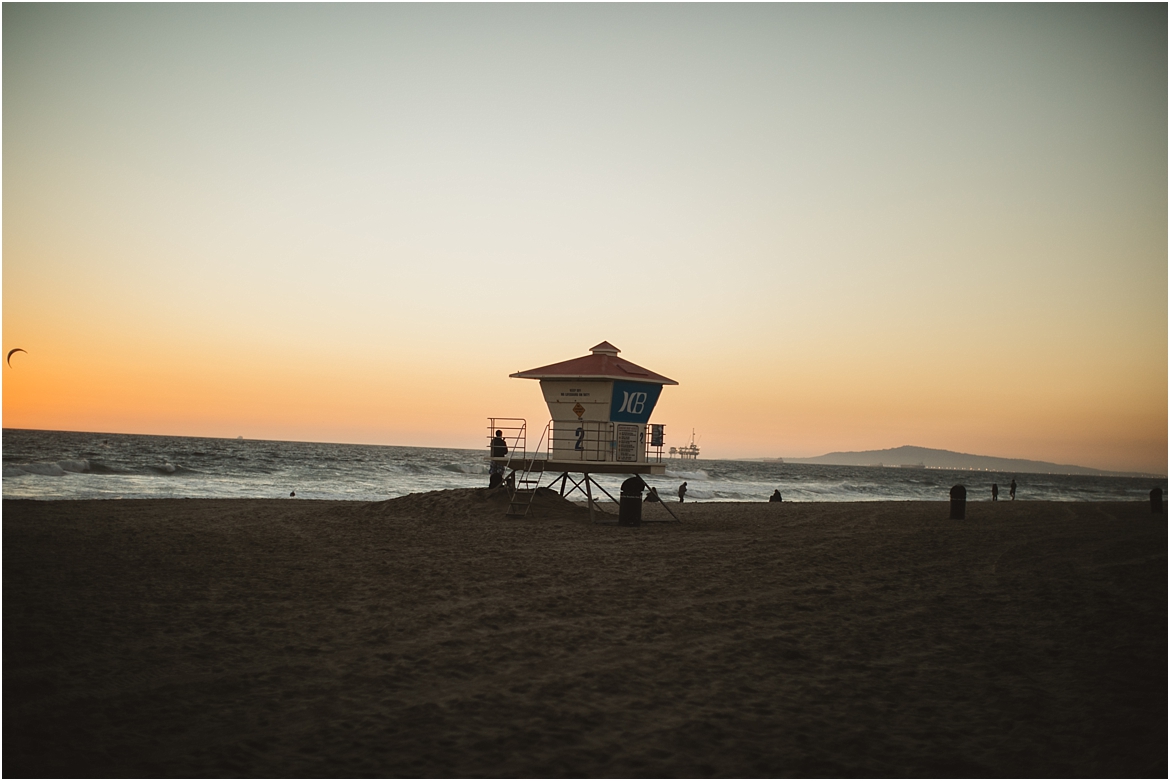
589	497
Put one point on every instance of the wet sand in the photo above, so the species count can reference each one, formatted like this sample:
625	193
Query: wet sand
432	636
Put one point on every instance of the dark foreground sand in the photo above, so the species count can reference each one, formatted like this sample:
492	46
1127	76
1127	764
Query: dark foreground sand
432	636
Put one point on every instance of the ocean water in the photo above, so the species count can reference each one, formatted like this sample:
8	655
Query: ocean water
76	465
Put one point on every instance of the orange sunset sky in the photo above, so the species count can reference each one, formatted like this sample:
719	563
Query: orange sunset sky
839	227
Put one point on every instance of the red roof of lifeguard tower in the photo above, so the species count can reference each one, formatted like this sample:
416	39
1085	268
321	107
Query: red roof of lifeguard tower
602	364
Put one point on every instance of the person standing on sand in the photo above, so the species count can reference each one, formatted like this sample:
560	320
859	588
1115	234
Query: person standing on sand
682	493
499	450
994	492
1012	489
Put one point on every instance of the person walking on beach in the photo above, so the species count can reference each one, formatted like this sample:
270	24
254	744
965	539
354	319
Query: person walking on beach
994	492
682	493
1012	489
499	450
776	497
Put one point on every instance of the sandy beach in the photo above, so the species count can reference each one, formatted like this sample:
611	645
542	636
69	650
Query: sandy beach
432	636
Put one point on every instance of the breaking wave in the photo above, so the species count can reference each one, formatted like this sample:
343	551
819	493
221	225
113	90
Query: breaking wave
47	469
697	474
167	468
466	469
87	467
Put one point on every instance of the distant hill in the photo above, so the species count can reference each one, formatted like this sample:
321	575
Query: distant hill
911	456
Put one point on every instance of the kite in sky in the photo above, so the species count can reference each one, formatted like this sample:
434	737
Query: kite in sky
15	350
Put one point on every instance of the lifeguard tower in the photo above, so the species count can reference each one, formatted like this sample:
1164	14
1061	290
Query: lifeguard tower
600	407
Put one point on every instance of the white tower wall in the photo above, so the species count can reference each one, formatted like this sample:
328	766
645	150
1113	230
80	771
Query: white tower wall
590	435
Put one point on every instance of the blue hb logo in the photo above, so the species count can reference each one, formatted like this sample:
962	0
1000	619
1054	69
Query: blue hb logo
632	402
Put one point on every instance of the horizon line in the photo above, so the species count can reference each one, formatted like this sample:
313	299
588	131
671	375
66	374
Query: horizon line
781	459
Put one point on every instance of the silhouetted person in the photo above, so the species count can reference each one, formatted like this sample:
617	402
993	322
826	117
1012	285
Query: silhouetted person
653	496
1012	489
776	497
994	492
682	493
499	446
499	450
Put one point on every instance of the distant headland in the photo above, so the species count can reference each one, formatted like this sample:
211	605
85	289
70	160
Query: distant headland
909	456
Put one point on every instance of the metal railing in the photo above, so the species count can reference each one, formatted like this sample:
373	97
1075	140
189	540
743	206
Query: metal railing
591	441
582	441
515	434
587	441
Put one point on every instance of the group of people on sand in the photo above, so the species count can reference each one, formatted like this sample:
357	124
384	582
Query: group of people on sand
653	496
995	491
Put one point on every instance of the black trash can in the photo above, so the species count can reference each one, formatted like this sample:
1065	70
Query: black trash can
1156	501
958	503
630	511
630	503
